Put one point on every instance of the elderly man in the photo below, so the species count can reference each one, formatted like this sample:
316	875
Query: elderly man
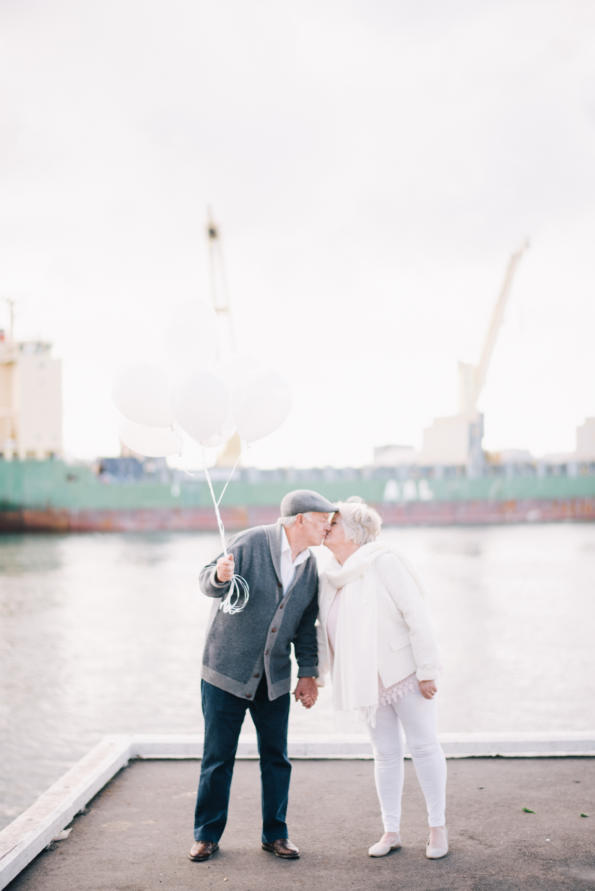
246	664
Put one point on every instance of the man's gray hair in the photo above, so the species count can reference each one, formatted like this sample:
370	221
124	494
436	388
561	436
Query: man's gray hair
360	521
287	521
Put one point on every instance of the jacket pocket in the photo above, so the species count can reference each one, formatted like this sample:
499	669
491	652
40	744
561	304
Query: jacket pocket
399	641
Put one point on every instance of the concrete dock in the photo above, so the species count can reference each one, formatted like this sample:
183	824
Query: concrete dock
514	823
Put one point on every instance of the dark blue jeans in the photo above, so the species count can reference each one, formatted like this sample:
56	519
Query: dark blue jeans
224	715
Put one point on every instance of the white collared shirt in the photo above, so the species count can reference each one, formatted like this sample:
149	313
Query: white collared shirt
289	566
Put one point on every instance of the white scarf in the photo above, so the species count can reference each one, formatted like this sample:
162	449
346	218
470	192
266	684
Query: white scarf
355	664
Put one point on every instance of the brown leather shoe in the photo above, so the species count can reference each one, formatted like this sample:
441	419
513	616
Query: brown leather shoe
282	847
202	850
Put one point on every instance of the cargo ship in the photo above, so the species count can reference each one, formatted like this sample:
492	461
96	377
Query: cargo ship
127	494
451	480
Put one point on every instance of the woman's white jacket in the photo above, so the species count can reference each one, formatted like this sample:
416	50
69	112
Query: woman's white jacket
383	627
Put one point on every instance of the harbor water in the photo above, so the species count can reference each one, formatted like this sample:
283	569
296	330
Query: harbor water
102	633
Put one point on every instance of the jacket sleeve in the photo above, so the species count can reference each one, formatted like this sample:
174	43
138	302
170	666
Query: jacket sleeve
208	578
305	641
208	581
406	594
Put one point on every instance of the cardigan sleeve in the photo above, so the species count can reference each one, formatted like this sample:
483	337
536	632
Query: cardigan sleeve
406	594
208	579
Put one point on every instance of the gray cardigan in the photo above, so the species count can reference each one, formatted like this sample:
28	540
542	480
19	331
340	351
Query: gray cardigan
240	648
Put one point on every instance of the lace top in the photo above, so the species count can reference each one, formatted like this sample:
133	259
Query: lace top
388	695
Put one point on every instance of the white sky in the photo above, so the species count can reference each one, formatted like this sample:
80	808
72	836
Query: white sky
373	163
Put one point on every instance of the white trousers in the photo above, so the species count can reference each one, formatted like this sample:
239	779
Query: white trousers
417	717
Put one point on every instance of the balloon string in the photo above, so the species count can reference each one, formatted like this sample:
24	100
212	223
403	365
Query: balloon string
229	479
239	592
217	512
216	501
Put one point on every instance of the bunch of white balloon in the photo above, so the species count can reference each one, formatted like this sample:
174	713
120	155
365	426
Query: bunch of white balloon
209	405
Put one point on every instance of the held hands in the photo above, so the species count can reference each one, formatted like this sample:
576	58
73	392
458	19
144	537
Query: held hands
428	688
225	568
306	692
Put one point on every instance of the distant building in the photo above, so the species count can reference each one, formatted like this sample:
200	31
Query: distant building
30	400
585	441
446	442
393	455
511	456
454	441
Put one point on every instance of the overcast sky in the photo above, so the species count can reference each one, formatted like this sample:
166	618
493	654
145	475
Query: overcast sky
372	164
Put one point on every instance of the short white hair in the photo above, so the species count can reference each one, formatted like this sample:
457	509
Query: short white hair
360	521
289	521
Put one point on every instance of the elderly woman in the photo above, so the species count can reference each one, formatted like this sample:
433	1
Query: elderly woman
376	637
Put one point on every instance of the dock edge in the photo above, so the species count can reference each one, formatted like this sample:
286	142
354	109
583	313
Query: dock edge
31	832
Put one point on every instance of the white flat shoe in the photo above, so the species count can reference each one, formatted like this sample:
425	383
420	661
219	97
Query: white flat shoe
382	847
440	849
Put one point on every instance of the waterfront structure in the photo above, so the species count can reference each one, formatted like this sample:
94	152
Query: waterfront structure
451	480
457	439
585	442
30	399
110	847
40	491
127	494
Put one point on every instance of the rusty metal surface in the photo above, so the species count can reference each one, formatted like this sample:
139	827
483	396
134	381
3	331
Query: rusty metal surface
438	513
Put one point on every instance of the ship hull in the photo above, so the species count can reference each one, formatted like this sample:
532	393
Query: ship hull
56	496
455	513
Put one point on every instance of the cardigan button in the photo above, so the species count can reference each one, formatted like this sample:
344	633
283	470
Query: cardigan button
257	675
266	652
248	695
273	630
281	605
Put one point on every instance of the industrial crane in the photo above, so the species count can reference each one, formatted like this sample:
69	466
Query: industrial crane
457	439
472	378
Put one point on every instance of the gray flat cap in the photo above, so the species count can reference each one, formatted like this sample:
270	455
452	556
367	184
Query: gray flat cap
300	501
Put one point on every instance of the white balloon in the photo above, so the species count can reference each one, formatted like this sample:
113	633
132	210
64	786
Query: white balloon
224	434
142	393
152	442
261	401
189	338
202	407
